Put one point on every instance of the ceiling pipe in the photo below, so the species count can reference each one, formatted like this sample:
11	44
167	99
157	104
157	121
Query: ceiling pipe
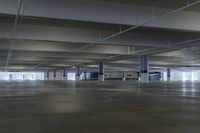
14	31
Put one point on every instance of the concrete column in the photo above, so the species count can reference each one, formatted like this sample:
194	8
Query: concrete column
168	74
138	76
162	76
64	74
123	77
47	75
54	74
78	73
101	71
85	75
144	70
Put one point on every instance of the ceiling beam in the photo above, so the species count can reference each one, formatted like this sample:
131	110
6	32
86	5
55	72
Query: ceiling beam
104	12
27	45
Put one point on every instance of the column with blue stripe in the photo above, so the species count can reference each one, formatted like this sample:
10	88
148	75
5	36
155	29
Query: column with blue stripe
144	68
78	73
54	74
64	74
168	74
48	75
101	71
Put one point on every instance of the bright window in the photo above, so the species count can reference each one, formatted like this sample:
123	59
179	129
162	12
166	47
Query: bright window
21	76
71	76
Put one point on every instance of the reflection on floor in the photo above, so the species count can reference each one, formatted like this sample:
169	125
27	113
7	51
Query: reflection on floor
94	107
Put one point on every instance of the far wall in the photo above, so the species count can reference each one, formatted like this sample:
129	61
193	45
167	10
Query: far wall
119	75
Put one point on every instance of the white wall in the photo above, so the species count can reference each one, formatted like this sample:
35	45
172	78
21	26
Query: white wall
119	75
59	76
22	75
183	75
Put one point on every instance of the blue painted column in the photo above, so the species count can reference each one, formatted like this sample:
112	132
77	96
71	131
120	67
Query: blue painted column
64	74
144	68
54	74
101	71
48	75
78	73
168	74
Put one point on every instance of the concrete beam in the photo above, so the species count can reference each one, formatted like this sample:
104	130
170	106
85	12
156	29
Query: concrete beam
83	35
27	45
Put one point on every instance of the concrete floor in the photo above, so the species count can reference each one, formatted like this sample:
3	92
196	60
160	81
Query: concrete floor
93	107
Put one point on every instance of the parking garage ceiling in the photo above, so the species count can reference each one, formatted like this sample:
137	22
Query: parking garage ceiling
64	33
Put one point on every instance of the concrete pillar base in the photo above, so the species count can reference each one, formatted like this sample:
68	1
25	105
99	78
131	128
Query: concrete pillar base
101	78
144	78
168	79
78	78
123	78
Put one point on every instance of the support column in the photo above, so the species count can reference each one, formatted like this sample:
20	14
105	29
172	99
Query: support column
78	73
138	76
168	74
101	71
47	75
64	74
54	74
162	76
85	75
123	77
144	70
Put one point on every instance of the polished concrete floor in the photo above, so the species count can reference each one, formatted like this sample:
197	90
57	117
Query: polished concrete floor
94	107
